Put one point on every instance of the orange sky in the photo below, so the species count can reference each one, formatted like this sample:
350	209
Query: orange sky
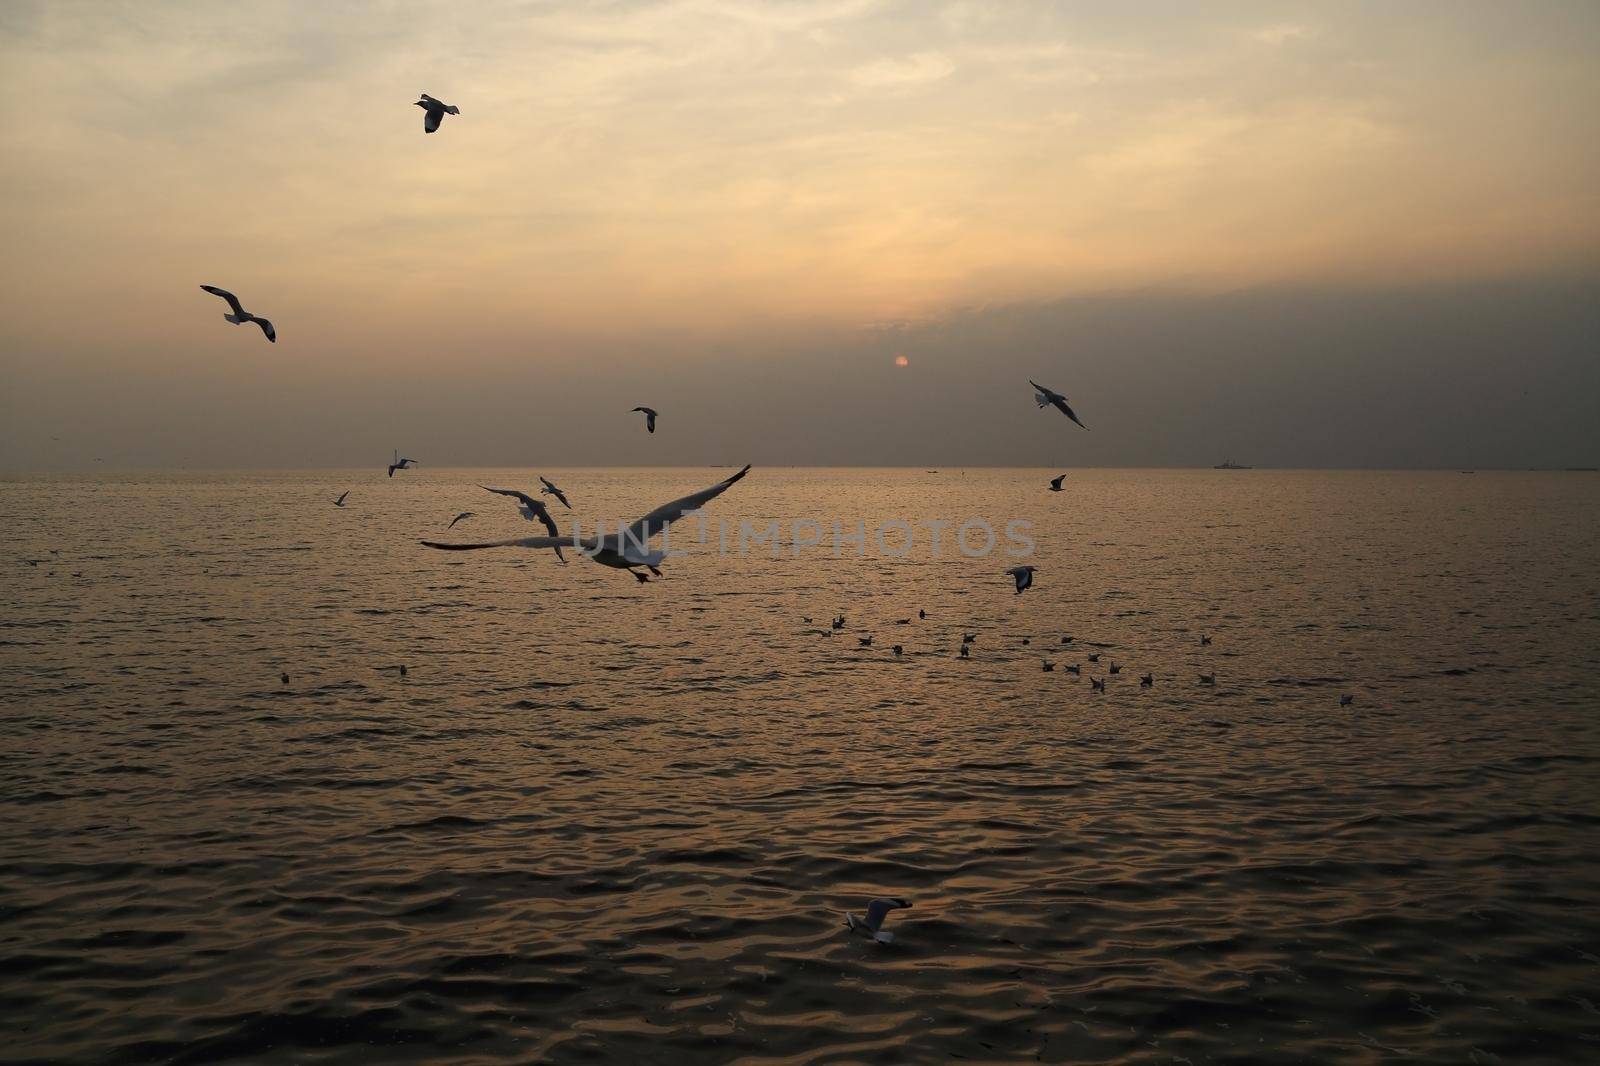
627	172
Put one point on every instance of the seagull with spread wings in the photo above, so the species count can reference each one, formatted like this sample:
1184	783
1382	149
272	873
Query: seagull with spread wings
434	112
240	316
534	511
551	490
401	464
649	418
1050	398
627	549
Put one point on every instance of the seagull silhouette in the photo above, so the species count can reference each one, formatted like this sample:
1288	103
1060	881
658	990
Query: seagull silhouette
649	418
551	490
627	549
240	316
1055	482
434	112
1050	398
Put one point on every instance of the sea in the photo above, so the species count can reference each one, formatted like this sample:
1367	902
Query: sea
597	820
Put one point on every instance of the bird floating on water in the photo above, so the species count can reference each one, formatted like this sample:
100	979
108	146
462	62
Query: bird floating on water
1115	669
401	464
1208	679
1050	398
1023	576
1066	640
340	501
1345	701
627	549
1147	680
1094	656
649	418
898	649
1074	669
871	924
902	621
838	623
434	112
284	677
533	510
968	638
1048	665
964	651
865	642
459	517
1204	640
922	614
240	316
1097	684
1055	482
550	490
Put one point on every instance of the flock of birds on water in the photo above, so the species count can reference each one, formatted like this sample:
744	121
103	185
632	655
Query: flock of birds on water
628	549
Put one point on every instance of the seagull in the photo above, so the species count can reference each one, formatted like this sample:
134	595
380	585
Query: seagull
1023	576
240	316
1048	398
459	517
1048	665
804	619
872	924
627	549
1055	483
284	677
922	614
340	501
1208	679
435	111
1147	680
1094	656
902	621
968	638
898	649
1115	669
1345	701
1026	641
533	510
865	642
1097	684
838	623
964	650
1204	640
1066	640
401	464
1075	669
550	490
401	667
649	418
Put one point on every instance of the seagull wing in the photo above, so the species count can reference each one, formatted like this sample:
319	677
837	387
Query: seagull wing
266	327
457	518
662	516
233	301
342	495
431	119
520	542
1060	403
528	501
877	909
1055	482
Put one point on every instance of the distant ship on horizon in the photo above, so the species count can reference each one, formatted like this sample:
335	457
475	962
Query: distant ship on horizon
1229	464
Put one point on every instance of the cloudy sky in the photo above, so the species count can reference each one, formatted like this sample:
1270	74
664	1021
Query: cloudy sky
1300	234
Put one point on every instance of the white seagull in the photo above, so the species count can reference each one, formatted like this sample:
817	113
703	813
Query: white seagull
872	923
340	501
435	110
240	316
401	464
1023	576
626	549
1055	483
550	490
533	510
1048	398
649	418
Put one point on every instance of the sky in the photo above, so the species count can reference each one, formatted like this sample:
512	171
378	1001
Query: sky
842	232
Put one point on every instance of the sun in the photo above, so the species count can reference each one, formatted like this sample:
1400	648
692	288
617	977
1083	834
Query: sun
901	360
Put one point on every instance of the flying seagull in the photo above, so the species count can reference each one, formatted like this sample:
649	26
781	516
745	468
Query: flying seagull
340	501
240	316
459	517
401	464
626	549
533	510
435	110
649	418
872	923
550	490
1048	398
1023	576
1055	482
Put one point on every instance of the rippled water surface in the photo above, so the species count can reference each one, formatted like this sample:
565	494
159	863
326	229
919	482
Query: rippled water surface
604	821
